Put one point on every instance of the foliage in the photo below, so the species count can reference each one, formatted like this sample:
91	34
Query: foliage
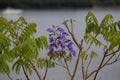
104	36
19	46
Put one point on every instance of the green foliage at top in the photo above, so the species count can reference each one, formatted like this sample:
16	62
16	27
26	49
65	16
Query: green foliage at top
92	29
108	28
91	22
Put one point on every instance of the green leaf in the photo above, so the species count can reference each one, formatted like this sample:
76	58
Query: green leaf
4	67
83	56
107	22
118	23
91	39
28	31
91	23
93	54
18	65
5	26
42	42
43	63
68	58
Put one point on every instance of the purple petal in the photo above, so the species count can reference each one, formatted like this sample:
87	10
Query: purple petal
51	39
56	46
62	46
51	49
60	29
65	34
73	53
50	30
61	37
57	41
67	41
70	45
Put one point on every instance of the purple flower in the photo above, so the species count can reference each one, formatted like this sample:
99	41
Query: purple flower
58	40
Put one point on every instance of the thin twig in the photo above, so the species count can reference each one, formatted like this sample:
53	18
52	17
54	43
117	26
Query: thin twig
98	69
117	59
76	66
88	66
83	70
113	52
60	65
34	68
25	73
9	76
73	37
46	71
90	44
89	75
72	26
68	70
107	61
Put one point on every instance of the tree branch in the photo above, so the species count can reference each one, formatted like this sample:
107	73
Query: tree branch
25	73
76	66
35	69
9	76
98	69
46	71
68	70
88	66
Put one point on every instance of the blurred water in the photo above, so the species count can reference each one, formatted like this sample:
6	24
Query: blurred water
47	18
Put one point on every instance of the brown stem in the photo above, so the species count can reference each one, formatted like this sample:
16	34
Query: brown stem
46	71
72	29
88	67
9	76
113	52
73	37
76	66
89	75
34	68
98	69
77	44
25	73
110	58
83	70
68	70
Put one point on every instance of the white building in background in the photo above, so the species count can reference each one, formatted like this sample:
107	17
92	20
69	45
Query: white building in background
12	11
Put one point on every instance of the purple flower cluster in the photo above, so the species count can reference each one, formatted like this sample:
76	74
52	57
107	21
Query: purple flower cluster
58	40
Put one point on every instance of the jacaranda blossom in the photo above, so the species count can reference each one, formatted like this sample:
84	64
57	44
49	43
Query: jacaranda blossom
59	40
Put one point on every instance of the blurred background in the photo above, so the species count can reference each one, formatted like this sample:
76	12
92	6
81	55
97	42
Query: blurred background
53	12
38	4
